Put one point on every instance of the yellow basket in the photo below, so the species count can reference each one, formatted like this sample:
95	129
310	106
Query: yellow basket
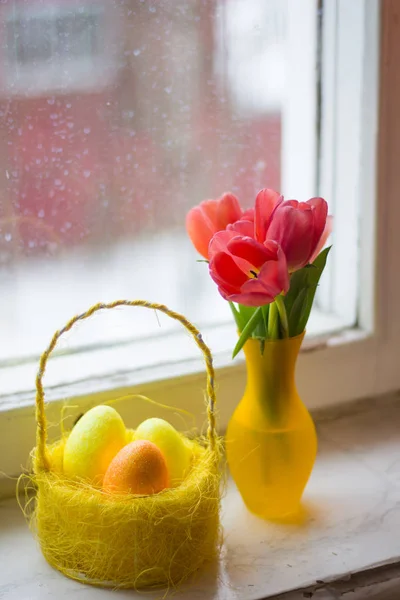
136	541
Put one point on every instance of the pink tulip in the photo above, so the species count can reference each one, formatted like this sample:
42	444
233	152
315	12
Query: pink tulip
298	227
209	217
323	239
247	271
267	202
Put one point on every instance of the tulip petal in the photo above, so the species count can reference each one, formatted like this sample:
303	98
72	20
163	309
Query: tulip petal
320	212
228	210
248	215
294	203
211	216
226	269
249	299
209	209
272	279
323	239
200	228
267	201
219	242
252	251
225	289
293	230
242	227
276	272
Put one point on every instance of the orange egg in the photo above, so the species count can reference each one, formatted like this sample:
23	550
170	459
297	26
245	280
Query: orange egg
139	468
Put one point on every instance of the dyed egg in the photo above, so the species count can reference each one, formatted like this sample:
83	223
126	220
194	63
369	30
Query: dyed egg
94	441
139	468
177	454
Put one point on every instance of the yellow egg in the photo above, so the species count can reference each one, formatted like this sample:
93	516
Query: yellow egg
176	453
92	444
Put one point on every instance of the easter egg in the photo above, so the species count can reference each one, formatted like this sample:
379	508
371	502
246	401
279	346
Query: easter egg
92	444
139	468
177	454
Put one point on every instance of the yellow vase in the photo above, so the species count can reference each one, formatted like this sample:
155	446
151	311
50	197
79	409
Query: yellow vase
271	441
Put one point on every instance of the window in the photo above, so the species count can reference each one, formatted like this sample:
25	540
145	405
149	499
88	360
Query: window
106	145
99	178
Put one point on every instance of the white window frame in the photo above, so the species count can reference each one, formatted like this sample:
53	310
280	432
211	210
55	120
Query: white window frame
358	362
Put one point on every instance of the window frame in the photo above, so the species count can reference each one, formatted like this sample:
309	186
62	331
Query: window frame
357	362
347	165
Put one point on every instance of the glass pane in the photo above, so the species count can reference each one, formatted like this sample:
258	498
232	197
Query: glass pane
116	117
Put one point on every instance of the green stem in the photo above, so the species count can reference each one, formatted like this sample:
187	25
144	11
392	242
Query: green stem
280	304
273	322
265	312
236	315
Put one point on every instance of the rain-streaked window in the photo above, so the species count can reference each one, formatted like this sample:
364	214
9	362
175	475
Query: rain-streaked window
116	117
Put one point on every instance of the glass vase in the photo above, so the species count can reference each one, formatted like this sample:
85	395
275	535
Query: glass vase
271	441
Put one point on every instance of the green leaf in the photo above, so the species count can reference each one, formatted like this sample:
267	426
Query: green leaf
300	297
260	331
248	330
236	316
321	259
298	313
246	312
242	314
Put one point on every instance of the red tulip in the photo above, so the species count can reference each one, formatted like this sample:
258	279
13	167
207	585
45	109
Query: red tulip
247	271
298	228
210	216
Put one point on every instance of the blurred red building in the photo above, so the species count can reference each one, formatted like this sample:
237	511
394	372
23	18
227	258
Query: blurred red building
114	120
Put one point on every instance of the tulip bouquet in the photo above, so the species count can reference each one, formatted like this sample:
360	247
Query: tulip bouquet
266	261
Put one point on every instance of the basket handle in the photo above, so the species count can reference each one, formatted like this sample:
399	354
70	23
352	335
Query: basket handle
42	460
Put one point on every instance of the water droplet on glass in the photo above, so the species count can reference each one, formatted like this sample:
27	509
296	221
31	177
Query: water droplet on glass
137	52
86	130
168	89
41	213
8	237
86	174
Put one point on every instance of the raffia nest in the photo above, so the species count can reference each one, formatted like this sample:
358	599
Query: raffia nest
127	541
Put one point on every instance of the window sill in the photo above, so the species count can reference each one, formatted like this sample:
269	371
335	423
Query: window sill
99	368
350	533
77	381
